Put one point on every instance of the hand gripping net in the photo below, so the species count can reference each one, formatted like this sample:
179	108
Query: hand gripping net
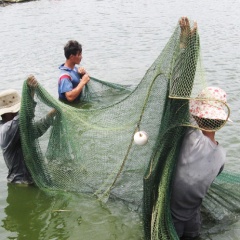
89	147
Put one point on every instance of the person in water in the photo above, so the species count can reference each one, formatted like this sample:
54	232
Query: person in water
201	157
72	79
10	140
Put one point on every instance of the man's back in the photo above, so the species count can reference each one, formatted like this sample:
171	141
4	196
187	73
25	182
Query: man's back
12	152
199	162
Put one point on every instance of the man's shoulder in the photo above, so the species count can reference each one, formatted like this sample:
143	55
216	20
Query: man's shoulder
65	75
193	133
63	67
9	127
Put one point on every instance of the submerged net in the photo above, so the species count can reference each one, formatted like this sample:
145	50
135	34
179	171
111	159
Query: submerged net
89	147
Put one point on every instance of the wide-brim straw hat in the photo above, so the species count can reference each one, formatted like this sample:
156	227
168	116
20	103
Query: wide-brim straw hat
210	104
10	101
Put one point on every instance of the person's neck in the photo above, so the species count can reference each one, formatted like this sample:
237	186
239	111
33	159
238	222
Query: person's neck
69	64
8	117
210	135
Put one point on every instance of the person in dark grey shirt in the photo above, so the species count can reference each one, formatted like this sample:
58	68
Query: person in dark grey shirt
10	140
200	160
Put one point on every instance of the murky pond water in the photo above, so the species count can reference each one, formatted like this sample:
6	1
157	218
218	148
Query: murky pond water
120	41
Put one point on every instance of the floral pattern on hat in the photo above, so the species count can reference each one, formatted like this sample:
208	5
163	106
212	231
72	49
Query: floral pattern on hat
210	103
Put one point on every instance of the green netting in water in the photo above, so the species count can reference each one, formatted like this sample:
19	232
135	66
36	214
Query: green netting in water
89	147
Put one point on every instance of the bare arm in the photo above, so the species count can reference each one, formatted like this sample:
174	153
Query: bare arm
73	94
186	62
43	124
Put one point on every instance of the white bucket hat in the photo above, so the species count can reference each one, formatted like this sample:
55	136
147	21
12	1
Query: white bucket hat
10	101
210	103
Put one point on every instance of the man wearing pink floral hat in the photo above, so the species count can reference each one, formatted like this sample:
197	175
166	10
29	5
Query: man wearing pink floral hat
200	160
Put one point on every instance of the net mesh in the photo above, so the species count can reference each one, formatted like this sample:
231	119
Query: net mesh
89	147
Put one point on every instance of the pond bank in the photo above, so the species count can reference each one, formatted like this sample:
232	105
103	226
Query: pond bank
4	3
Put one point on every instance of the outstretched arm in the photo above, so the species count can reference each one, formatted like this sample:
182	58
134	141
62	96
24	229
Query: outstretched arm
32	84
186	31
44	123
186	62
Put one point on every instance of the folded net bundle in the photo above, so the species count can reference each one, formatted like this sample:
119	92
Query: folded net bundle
89	148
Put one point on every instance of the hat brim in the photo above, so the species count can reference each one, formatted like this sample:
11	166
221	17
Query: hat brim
13	109
208	111
218	114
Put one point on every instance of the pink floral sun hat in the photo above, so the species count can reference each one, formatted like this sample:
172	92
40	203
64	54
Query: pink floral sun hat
213	107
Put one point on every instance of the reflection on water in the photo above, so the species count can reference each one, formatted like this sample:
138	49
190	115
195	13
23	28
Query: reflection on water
28	213
34	214
120	41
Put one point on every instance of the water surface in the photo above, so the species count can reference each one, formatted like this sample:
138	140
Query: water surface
120	41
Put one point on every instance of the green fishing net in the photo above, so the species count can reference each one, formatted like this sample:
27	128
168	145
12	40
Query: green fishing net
89	147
